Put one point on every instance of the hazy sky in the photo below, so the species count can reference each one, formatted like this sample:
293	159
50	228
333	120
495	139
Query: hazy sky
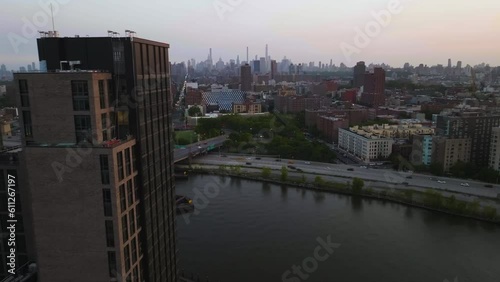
418	31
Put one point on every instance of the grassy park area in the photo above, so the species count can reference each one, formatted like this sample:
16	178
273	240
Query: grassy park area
185	137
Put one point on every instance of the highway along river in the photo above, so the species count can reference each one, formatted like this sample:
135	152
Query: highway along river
248	231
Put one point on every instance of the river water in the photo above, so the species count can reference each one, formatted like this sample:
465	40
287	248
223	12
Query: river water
249	231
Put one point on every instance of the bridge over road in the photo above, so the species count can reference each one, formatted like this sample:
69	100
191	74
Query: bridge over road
197	148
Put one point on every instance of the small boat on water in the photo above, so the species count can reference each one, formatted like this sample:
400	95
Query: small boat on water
183	204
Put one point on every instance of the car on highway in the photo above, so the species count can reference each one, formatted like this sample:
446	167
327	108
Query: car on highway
199	147
277	160
291	166
350	169
405	183
249	163
363	166
258	158
409	177
307	163
465	184
488	186
441	181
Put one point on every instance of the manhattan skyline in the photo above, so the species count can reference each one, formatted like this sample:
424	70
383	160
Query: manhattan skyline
421	32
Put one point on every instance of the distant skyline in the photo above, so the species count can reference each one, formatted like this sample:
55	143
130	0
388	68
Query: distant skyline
422	31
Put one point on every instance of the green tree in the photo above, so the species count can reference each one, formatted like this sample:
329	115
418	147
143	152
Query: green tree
473	207
284	173
194	111
408	195
433	198
451	203
458	169
266	172
237	169
303	179
490	212
436	168
461	206
357	185
183	141
319	181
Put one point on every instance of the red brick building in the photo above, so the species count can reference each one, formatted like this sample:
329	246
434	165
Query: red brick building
349	95
193	97
375	82
297	104
372	100
329	126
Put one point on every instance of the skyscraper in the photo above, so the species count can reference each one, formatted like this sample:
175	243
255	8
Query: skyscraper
375	82
359	74
100	172
274	69
263	67
256	66
246	78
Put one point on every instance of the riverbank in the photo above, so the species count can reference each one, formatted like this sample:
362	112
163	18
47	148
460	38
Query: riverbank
429	200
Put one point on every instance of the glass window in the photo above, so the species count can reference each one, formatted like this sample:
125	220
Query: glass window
134	252
131	218
103	159
83	128
123	201
110	239
134	158
28	131
119	158
126	256
136	187
102	94
128	168
125	228
23	90
82	122
80	92
135	274
106	197
130	193
104	126
111	93
112	264
23	86
138	217
104	121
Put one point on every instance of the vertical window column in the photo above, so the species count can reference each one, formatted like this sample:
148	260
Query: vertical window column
80	92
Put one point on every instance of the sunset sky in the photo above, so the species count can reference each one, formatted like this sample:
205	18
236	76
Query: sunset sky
423	31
